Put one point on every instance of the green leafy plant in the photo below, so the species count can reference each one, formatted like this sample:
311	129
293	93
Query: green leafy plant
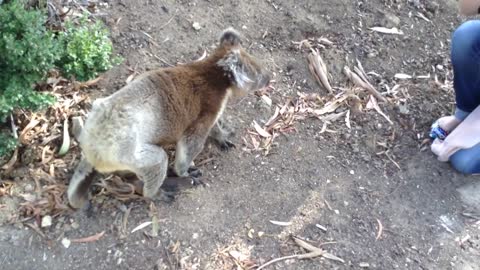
27	51
7	144
87	50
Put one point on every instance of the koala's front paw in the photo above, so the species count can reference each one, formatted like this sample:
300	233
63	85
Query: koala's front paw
194	172
227	145
197	182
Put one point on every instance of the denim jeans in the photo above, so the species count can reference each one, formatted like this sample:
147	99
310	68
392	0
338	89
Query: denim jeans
465	54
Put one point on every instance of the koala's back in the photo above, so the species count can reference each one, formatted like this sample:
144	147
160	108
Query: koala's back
134	115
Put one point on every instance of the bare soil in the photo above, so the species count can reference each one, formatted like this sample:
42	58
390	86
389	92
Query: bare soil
419	215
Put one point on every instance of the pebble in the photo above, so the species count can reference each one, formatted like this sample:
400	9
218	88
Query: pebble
196	26
364	265
66	242
75	225
46	221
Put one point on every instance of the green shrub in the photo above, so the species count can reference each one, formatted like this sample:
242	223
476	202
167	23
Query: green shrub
87	50
27	51
7	144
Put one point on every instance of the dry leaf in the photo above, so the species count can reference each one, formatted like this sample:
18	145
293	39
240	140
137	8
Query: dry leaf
262	132
274	117
331	106
380	230
372	103
347	120
66	139
402	76
204	55
384	30
332	257
332	117
319	70
250	233
142	226
24	132
358	81
281	223
325	41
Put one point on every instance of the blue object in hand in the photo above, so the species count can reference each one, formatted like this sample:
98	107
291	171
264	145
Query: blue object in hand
437	132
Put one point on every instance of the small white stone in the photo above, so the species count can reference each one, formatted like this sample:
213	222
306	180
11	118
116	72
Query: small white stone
46	221
196	26
364	265
66	242
352	172
195	236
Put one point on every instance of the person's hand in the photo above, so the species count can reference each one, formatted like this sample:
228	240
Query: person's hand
443	150
469	7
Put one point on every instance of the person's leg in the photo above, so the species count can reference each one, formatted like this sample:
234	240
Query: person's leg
466	67
467	161
465	55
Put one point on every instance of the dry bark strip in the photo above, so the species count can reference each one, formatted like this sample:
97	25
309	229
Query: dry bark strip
358	81
319	70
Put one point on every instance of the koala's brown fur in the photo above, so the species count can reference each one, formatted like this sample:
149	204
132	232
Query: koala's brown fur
180	105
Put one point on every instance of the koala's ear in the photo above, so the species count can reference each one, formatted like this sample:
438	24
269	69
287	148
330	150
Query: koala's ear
230	38
233	66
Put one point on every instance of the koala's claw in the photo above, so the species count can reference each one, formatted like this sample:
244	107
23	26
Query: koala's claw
194	172
227	145
197	182
167	196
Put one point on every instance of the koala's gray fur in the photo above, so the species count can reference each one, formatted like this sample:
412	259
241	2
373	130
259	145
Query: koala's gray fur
181	105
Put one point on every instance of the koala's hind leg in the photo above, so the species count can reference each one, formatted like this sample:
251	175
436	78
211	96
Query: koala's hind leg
150	163
80	183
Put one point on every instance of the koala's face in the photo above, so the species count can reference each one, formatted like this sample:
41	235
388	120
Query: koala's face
258	75
246	72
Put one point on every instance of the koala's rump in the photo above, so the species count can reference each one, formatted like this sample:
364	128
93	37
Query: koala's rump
118	125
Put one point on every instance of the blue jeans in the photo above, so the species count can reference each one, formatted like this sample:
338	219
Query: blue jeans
465	56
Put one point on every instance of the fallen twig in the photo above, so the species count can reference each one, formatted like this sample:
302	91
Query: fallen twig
88	239
313	252
277	260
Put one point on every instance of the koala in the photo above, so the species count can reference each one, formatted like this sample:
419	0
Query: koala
181	106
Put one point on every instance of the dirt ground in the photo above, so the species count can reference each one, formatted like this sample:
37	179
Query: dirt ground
418	215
